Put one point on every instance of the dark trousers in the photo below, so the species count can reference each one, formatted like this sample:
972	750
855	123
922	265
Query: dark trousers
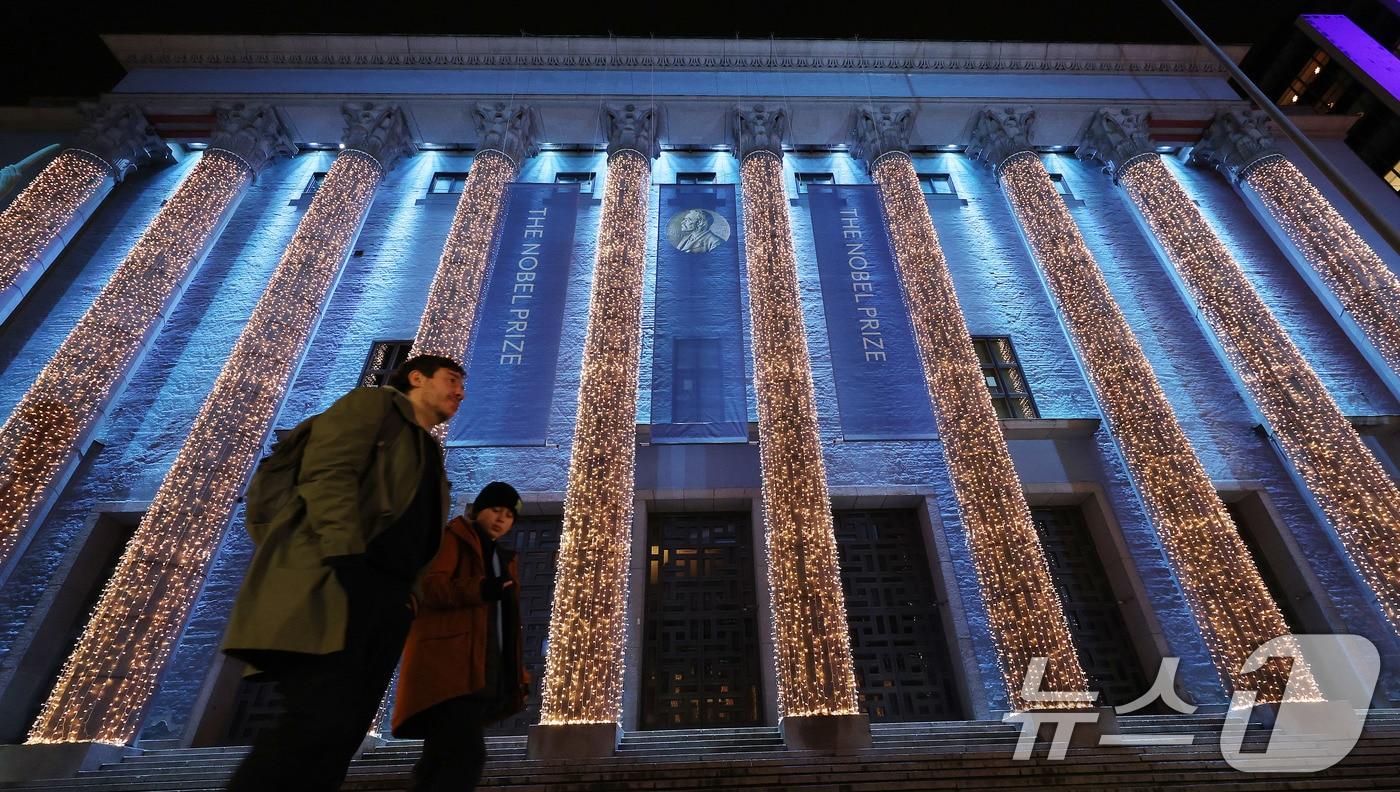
454	748
330	702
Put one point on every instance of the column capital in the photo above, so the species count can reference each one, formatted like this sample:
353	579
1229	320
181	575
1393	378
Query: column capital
999	132
1115	135
633	126
378	130
757	127
120	136
877	131
253	133
508	128
1235	140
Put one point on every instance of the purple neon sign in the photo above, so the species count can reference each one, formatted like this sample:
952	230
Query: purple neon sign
1347	41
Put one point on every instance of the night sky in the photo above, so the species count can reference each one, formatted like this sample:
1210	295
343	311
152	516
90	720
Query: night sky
54	55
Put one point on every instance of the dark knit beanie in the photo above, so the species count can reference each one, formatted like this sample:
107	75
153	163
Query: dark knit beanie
497	493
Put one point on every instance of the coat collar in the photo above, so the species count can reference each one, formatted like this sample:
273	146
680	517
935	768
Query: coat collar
404	406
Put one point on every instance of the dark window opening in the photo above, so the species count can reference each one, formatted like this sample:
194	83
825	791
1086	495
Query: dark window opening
583	180
1061	187
1006	382
448	184
695	178
937	184
384	357
804	179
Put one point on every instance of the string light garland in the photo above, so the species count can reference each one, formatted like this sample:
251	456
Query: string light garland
41	436
1346	481
811	637
1232	607
1367	289
446	325
1026	615
103	689
69	186
588	618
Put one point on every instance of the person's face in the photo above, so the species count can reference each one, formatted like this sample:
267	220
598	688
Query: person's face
496	521
441	394
692	222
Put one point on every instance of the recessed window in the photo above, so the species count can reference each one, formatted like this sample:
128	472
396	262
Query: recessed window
583	180
1306	77
1061	187
1006	383
448	184
313	184
937	184
695	178
805	179
384	357
1393	178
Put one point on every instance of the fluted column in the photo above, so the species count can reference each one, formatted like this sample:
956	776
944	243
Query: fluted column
1026	615
588	619
1362	286
1345	479
112	673
41	440
41	220
812	642
1181	502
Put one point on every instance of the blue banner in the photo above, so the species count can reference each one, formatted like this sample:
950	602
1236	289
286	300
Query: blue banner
515	346
697	358
880	387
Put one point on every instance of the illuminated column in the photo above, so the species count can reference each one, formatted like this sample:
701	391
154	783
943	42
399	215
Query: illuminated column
1347	483
506	133
1231	605
588	619
1353	279
41	441
41	220
1027	618
108	680
811	640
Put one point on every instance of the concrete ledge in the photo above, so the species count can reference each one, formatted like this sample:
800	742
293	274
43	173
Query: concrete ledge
54	760
826	732
572	740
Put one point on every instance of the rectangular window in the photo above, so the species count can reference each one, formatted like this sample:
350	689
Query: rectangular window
696	392
937	184
695	178
1061	187
448	184
1306	77
384	357
1393	178
583	180
804	179
1006	383
313	185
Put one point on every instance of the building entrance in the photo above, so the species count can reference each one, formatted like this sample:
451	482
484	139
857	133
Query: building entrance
699	654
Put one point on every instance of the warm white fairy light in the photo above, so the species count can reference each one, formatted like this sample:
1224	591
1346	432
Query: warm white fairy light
811	636
1367	289
1345	479
445	327
112	673
1026	615
1233	609
41	436
588	619
71	184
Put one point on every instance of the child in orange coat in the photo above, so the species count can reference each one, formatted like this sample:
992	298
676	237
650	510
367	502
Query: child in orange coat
463	667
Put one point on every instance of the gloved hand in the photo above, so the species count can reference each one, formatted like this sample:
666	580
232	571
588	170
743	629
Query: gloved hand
493	589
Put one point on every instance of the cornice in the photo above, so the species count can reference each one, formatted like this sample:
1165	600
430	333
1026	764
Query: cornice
472	52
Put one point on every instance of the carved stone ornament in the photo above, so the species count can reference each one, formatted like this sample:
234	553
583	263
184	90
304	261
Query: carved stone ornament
879	130
757	128
1115	135
1235	140
378	130
508	128
999	132
252	132
121	136
636	127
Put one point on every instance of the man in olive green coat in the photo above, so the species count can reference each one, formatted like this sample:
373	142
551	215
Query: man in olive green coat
327	601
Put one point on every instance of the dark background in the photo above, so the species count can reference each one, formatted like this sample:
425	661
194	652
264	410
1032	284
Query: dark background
53	53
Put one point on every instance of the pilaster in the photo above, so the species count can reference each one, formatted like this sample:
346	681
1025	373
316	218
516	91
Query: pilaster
507	128
378	130
754	128
1234	142
252	133
120	136
634	127
999	132
877	131
1116	135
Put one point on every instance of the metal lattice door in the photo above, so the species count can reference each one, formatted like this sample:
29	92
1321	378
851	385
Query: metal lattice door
897	637
699	663
1095	620
536	543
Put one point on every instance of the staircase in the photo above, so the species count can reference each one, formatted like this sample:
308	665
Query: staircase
904	756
